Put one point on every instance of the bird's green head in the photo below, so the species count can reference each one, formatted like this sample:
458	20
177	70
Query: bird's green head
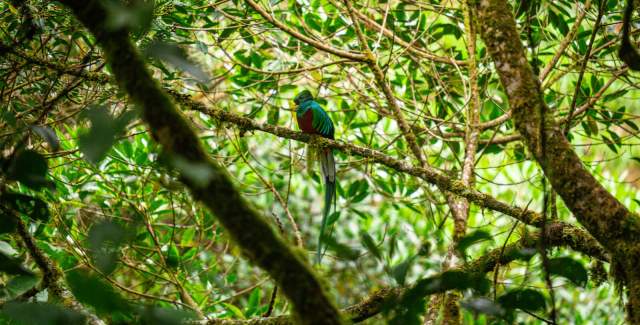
302	97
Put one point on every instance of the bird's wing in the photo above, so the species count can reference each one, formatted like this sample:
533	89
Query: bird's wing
321	121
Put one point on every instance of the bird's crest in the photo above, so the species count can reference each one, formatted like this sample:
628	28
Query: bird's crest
302	97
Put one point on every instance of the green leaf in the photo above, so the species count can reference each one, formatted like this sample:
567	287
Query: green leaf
12	265
411	307
41	314
21	284
483	305
524	254
361	196
234	310
196	172
173	256
333	218
400	270
525	299
31	206
95	143
472	239
136	16
90	290
253	304
9	117
632	124
177	57
226	33
104	241
569	268
370	245
492	148
353	188
609	143
313	21
341	250
30	168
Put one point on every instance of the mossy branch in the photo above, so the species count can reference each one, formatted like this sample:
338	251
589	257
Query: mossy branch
52	276
610	222
429	174
557	235
169	128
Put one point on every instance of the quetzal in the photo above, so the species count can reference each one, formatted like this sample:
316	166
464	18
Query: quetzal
314	120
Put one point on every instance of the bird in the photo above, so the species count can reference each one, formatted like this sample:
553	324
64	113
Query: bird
313	119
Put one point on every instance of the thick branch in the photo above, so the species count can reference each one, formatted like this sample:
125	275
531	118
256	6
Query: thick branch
430	175
168	127
605	218
558	234
615	227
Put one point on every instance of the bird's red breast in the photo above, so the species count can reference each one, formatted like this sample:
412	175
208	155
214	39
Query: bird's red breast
305	122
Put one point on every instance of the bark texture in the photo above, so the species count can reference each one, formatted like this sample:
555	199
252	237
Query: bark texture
557	234
169	128
611	223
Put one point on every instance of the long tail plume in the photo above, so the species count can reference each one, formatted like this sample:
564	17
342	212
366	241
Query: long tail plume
329	172
311	159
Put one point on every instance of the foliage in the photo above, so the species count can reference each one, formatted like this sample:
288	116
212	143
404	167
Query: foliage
81	175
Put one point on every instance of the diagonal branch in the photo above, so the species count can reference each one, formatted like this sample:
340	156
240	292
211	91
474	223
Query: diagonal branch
317	44
557	235
169	128
566	40
595	208
52	276
610	222
429	174
411	48
381	80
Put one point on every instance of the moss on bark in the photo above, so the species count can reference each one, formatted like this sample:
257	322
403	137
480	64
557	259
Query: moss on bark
169	128
611	223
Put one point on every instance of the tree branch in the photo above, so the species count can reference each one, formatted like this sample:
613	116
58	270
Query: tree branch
615	227
411	47
169	128
51	273
557	235
317	44
381	80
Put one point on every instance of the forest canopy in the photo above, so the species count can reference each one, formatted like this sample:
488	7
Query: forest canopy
156	168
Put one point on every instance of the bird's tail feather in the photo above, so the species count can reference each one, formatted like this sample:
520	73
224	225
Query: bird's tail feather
311	158
329	172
